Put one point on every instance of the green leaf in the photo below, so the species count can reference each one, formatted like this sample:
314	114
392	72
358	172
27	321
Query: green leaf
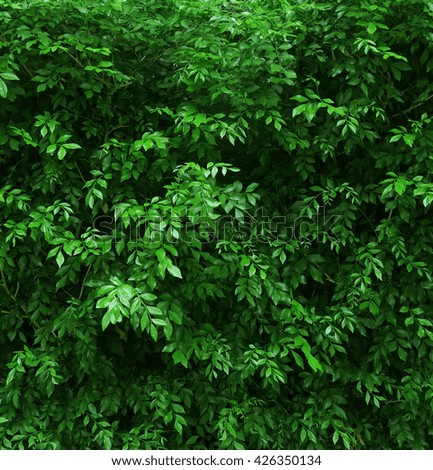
117	5
395	138
178	427
8	76
3	89
148	297
298	110
335	437
174	271
409	139
104	302
154	310
106	320
400	185
153	333
71	146
300	98
175	314
371	28
178	357
60	259
144	321
200	119
316	274
61	153
314	363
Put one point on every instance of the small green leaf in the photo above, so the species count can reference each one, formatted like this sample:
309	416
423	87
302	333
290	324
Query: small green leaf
106	320
3	89
71	146
409	139
316	274
61	153
310	111
154	310
144	322
60	259
178	427
395	138
51	148
299	98
335	437
8	76
400	185
103	303
148	297
313	362
175	314
371	28
178	357
174	271
153	333
298	110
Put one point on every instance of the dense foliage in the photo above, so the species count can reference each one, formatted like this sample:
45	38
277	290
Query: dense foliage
215	224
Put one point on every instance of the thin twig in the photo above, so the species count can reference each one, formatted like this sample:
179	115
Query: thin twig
6	286
79	171
413	106
9	292
84	280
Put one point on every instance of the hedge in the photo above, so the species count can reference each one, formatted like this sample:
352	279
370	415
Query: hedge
216	224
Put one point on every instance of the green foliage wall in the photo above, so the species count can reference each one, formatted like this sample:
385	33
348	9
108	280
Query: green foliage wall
216	225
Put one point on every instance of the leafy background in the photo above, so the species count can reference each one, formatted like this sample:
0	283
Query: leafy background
131	132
